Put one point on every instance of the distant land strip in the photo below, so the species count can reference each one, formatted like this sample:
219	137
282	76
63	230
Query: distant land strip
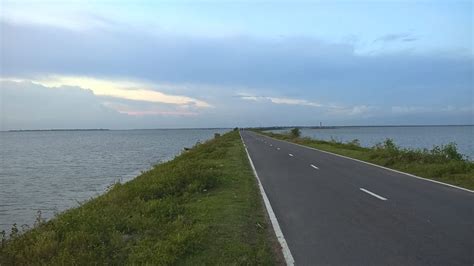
36	130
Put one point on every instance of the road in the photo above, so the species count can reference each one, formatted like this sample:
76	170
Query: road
337	211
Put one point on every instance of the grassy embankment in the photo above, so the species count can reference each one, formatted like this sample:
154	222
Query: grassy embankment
201	208
442	163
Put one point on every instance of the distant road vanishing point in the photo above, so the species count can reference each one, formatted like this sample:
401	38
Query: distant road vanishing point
338	211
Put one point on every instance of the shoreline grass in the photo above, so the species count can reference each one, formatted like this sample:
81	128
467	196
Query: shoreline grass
441	163
201	208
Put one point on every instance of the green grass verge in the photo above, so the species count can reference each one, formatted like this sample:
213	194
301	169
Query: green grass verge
442	163
201	208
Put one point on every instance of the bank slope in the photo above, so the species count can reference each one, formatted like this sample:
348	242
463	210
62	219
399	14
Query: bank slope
203	207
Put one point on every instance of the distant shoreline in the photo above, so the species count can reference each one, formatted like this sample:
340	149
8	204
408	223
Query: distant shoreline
101	129
211	128
336	127
36	130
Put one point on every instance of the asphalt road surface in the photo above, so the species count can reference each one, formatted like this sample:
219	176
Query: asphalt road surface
337	211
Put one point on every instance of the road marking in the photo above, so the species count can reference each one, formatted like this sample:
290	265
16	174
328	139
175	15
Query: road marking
373	194
290	154
278	148
276	226
314	166
271	145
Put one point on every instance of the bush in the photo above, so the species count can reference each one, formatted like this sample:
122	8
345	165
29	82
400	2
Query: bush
450	152
295	132
390	145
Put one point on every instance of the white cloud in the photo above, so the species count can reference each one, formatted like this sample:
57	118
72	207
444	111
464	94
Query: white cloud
249	98
279	100
25	105
71	15
358	110
333	110
409	109
430	109
361	109
122	89
61	101
291	101
149	110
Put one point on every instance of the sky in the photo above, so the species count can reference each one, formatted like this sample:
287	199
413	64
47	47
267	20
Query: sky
185	64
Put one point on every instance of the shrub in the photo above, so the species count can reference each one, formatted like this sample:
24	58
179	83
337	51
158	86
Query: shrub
450	151
295	132
390	145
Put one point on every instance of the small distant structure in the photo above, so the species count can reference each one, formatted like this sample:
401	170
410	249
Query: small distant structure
321	124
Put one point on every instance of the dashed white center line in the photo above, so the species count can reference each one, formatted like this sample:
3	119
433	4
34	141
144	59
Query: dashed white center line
373	194
278	148
314	166
290	154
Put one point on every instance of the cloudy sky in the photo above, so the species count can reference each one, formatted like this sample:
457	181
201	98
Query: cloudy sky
150	64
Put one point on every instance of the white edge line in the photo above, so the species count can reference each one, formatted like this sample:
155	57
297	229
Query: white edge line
276	226
379	166
314	166
373	194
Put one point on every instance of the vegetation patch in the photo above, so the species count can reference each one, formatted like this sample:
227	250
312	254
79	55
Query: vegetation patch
202	208
442	163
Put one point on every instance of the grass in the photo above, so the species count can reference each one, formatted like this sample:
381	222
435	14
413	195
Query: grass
441	163
201	208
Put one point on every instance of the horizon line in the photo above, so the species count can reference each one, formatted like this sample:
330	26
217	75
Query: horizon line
250	127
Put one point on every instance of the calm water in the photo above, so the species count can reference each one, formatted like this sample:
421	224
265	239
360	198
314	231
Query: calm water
407	137
53	171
